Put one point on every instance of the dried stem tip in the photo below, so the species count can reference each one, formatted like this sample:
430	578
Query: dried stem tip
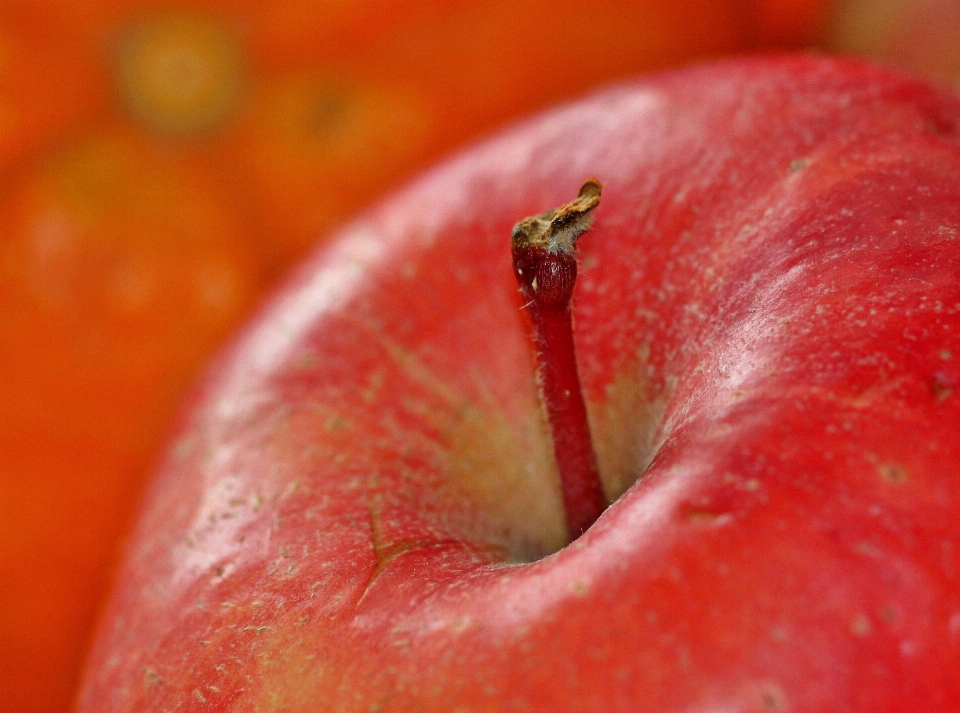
557	229
545	263
543	247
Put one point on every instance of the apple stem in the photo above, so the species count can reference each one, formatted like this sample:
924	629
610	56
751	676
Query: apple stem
545	262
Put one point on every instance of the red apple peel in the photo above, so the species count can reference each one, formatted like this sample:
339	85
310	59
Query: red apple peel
545	263
768	338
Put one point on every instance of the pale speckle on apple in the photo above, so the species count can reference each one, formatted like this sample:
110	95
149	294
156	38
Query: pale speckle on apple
860	626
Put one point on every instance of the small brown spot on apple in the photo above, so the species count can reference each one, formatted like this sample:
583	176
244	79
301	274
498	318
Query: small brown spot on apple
307	361
860	626
336	423
893	473
772	701
941	387
151	678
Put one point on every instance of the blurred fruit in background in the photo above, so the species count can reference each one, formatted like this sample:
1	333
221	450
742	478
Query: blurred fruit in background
161	166
918	36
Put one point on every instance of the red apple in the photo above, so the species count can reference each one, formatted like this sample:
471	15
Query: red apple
361	513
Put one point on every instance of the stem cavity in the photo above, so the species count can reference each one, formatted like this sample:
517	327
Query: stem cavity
545	262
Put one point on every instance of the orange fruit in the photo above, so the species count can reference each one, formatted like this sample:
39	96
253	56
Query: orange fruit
48	84
919	36
120	270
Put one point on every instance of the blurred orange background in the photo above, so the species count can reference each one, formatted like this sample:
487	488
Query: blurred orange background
162	165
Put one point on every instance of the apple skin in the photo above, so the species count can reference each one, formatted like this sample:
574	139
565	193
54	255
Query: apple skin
360	513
